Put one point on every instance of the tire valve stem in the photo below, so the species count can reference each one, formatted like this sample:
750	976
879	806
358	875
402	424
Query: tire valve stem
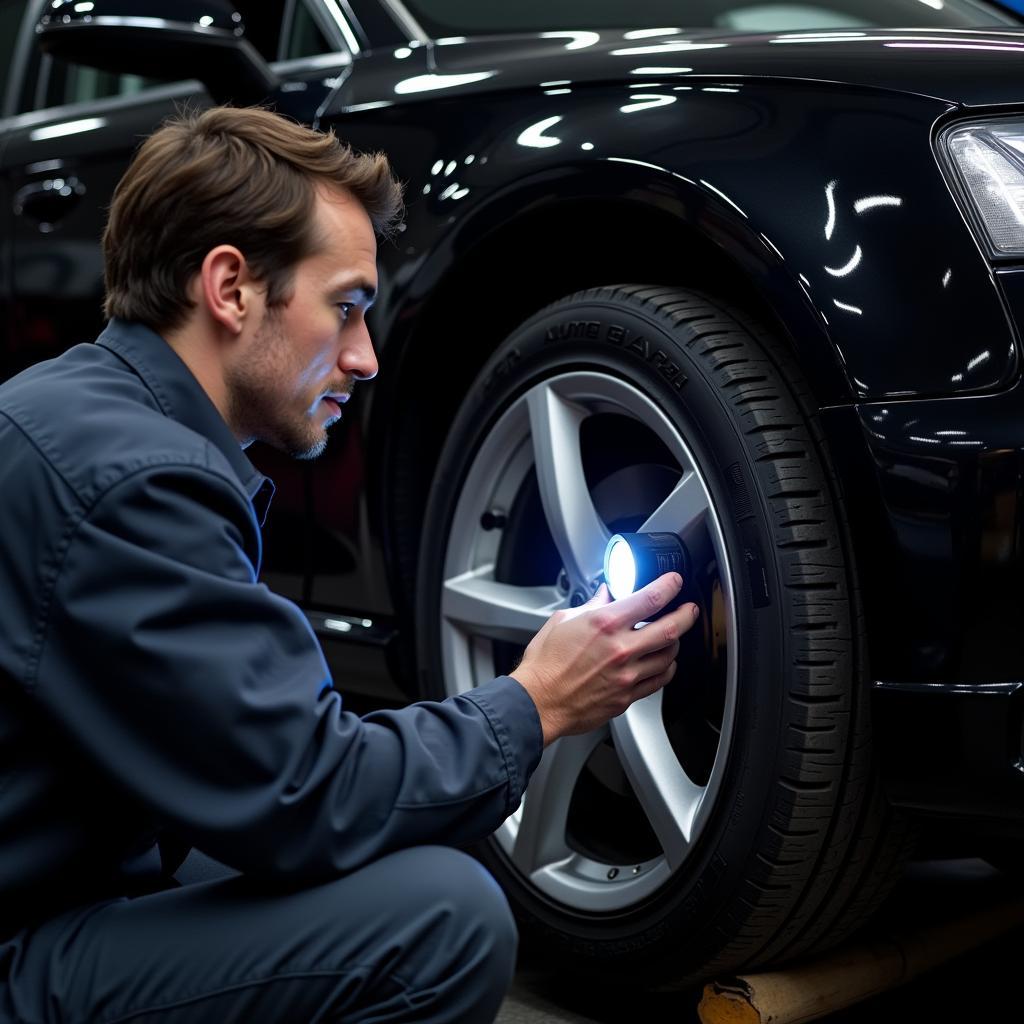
494	519
612	873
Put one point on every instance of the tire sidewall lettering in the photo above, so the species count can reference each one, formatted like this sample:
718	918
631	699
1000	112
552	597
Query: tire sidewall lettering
645	346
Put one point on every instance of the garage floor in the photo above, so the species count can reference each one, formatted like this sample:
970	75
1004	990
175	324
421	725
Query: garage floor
981	985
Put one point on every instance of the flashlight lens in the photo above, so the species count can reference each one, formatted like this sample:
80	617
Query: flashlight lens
621	569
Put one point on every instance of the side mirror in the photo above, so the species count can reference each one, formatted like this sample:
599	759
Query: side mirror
170	39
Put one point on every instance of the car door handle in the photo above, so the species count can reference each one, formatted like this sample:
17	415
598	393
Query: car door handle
48	202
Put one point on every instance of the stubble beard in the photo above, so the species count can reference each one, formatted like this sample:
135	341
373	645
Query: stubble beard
259	410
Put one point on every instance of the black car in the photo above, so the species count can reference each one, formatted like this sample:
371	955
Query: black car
756	279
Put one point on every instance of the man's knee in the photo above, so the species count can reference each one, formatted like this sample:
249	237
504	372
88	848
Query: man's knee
471	967
454	894
463	883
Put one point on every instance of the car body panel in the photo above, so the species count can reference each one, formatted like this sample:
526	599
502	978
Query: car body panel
934	488
941	770
58	270
779	160
823	250
896	60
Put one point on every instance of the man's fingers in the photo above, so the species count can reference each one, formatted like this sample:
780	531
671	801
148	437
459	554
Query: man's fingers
657	635
647	601
656	663
599	600
655	683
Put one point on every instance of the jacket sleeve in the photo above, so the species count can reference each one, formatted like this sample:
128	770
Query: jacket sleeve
208	696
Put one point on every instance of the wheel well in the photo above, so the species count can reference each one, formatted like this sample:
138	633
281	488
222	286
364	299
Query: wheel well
495	285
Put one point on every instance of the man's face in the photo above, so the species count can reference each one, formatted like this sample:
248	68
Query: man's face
288	382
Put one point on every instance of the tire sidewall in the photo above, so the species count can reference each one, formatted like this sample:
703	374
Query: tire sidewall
643	349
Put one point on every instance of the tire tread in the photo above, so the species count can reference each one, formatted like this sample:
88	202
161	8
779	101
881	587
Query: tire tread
863	844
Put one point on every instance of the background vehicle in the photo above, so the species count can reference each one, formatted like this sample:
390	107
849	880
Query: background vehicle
724	278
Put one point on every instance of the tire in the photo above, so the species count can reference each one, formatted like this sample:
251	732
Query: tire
734	820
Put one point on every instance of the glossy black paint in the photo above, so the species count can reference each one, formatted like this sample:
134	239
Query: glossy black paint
794	176
958	66
206	34
755	169
934	489
202	16
927	738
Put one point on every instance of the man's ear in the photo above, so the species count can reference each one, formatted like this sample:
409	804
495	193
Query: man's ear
227	288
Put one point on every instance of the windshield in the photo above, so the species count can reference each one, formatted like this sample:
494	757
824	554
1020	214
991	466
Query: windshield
471	17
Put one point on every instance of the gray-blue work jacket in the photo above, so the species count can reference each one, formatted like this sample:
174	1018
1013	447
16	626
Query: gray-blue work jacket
149	683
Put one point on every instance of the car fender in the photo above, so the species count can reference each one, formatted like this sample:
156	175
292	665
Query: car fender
828	201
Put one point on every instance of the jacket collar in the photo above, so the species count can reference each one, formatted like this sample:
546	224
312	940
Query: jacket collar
182	398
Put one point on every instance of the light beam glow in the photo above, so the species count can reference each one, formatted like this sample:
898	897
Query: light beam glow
621	570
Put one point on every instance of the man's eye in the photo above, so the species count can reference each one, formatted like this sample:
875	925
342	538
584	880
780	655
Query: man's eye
345	308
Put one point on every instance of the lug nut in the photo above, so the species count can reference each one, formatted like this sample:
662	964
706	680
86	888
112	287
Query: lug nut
493	520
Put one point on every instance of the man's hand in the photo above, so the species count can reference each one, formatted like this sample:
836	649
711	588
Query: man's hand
588	664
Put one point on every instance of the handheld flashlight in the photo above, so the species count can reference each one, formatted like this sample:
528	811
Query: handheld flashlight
632	560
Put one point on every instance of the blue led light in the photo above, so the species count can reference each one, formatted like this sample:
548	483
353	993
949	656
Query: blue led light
620	568
632	560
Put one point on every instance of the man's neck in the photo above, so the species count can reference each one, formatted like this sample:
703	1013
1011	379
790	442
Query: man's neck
201	354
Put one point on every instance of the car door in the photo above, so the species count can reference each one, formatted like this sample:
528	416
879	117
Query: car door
12	13
68	137
65	148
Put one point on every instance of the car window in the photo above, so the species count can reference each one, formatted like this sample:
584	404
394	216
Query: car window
470	17
303	37
74	83
11	12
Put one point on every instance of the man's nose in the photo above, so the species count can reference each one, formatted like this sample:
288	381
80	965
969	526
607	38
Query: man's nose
357	358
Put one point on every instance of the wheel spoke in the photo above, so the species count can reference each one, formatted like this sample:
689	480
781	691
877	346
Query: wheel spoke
578	532
668	796
541	433
483	607
687	504
540	840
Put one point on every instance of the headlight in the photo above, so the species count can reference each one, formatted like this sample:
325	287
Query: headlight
989	160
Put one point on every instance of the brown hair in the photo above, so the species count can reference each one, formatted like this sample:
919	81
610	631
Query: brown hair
234	176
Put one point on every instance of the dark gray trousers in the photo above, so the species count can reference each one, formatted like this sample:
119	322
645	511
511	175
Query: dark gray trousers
421	935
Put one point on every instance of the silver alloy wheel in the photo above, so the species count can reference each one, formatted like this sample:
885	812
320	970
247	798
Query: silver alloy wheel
541	430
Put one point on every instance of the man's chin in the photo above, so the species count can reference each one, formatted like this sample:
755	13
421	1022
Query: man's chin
311	453
297	438
307	446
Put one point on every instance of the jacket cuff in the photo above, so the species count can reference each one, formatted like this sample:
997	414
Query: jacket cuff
516	725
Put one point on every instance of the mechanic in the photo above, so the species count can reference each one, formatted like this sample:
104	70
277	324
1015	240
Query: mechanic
154	696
